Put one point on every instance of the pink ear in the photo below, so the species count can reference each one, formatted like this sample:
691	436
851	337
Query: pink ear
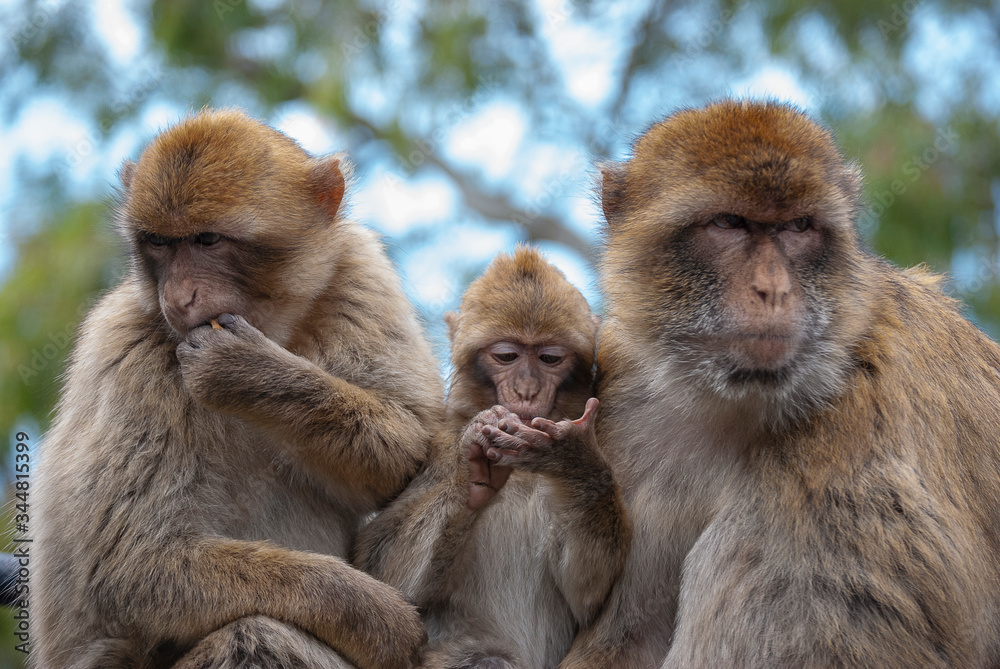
328	182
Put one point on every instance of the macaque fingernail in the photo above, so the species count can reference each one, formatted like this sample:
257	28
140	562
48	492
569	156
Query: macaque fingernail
226	319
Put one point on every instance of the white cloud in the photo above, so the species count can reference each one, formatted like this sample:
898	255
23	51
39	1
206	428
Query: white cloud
119	30
490	138
306	127
393	204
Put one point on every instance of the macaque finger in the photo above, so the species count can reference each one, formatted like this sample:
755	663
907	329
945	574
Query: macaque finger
537	438
199	337
543	424
509	426
502	440
589	414
238	325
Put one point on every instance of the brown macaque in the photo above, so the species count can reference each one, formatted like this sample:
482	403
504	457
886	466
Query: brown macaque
254	388
511	538
807	437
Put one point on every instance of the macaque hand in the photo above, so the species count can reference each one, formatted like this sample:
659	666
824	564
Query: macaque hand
533	447
485	477
231	367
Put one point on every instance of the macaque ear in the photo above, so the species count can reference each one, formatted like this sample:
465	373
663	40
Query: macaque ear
328	184
453	319
613	192
125	174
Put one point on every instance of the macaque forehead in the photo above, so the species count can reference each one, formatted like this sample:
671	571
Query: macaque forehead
523	298
212	172
765	161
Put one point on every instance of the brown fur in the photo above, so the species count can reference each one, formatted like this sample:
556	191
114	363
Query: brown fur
509	584
200	487
844	514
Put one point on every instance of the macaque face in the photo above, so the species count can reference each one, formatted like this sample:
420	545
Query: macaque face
198	278
762	321
527	377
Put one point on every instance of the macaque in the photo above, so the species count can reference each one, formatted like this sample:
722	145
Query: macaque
511	538
253	389
806	436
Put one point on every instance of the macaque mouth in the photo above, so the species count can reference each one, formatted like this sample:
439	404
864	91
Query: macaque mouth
771	378
764	351
526	412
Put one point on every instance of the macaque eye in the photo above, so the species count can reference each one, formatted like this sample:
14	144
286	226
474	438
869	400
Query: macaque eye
799	224
208	238
505	357
729	222
550	359
157	240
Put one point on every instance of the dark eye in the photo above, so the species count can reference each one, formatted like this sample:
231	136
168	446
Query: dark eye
729	221
799	224
208	238
505	357
550	359
157	240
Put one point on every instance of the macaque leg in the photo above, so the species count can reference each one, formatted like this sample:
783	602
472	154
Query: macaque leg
362	618
466	653
263	642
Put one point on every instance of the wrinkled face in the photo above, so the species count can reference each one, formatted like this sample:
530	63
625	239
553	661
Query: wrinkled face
225	215
203	275
527	377
731	247
764	316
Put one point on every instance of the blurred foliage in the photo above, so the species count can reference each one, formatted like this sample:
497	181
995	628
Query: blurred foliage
394	77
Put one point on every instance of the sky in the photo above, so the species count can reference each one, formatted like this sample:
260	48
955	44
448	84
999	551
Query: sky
486	139
489	136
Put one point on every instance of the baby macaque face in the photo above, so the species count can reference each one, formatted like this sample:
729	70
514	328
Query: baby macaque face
527	376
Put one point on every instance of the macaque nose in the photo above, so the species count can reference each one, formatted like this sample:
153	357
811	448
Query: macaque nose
526	387
180	295
771	284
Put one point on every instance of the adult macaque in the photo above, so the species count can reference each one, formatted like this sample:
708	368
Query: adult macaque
807	436
506	570
201	484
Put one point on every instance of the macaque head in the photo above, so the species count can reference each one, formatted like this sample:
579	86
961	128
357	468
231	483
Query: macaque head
731	248
524	338
225	215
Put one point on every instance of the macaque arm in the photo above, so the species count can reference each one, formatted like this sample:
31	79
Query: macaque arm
201	584
415	542
592	530
592	534
360	436
355	434
419	542
632	629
